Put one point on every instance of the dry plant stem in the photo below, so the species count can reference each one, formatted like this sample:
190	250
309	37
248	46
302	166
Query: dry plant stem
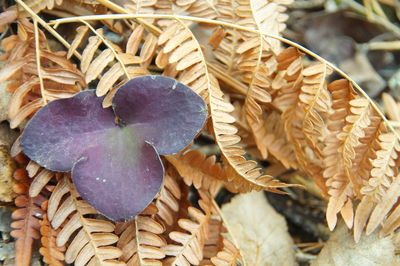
373	17
394	123
388	46
375	6
221	75
231	25
304	257
47	26
108	46
38	64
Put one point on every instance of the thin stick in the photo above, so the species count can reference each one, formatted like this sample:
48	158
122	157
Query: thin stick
38	64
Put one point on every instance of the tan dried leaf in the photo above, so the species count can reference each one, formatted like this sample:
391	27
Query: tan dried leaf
260	231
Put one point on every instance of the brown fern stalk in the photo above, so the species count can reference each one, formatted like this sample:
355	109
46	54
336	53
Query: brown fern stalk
26	218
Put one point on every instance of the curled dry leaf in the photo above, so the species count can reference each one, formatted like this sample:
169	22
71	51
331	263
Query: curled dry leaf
256	226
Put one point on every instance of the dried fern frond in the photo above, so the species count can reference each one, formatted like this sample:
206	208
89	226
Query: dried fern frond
169	201
226	51
255	65
379	197
270	17
39	5
52	254
200	8
192	237
360	156
353	127
294	99
218	250
91	239
113	66
60	77
189	62
229	256
198	170
337	169
315	103
140	239
40	180
384	169
26	218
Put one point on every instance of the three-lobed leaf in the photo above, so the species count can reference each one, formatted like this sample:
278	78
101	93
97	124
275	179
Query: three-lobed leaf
114	153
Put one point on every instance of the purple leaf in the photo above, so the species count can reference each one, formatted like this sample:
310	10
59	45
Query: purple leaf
119	178
115	163
162	111
58	133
